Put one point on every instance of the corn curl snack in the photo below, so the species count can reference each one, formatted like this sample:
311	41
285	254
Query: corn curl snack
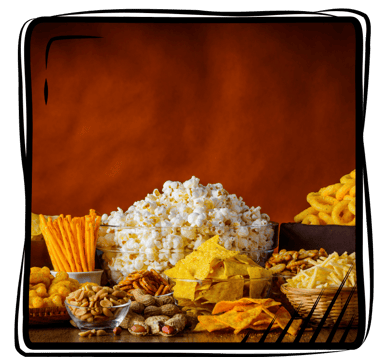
332	205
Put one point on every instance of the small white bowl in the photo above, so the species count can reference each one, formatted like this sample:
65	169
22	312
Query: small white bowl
85	277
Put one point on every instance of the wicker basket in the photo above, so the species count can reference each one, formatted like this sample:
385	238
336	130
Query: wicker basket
48	315
307	298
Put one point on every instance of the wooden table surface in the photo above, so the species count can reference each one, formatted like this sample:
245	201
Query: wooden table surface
64	332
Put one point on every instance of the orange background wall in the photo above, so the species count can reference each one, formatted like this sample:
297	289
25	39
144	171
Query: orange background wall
268	110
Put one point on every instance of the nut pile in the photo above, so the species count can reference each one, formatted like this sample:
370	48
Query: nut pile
94	303
153	314
291	262
148	280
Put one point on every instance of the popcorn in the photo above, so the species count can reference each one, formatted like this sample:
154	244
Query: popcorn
164	227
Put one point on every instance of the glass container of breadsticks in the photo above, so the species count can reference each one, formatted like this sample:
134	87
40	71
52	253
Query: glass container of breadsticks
125	249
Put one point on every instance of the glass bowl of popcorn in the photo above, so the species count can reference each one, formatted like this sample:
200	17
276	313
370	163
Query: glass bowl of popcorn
126	249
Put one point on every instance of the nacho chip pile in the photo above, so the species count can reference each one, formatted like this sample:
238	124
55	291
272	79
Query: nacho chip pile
212	274
247	313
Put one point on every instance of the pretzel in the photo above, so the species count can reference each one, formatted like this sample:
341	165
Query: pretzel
159	290
145	282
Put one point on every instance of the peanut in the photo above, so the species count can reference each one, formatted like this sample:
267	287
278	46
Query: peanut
95	302
117	330
101	333
86	333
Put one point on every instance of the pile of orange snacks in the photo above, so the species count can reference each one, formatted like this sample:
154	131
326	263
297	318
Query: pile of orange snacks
47	291
246	313
71	242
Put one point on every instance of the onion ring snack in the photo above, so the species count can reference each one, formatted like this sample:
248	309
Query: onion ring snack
332	205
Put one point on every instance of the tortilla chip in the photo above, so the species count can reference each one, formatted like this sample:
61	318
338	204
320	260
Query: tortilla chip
263	327
179	271
245	260
210	323
262	319
184	290
243	307
294	327
271	310
199	328
203	286
234	268
232	290
239	320
283	317
223	306
258	272
217	270
210	244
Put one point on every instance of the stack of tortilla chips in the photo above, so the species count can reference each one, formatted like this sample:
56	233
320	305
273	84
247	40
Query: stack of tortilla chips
212	274
247	313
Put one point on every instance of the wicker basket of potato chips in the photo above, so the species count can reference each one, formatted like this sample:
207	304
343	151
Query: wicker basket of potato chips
323	281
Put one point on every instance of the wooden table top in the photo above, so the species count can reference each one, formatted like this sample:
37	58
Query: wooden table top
65	333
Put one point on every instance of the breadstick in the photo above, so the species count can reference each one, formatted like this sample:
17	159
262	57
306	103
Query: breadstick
66	242
91	247
47	237
81	245
73	245
56	244
97	224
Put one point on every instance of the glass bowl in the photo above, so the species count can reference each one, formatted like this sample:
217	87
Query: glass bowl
211	291
127	249
278	280
118	313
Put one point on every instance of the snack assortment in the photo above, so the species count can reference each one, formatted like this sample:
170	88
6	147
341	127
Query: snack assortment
327	272
291	262
157	231
71	242
246	313
149	280
334	204
189	258
212	273
47	291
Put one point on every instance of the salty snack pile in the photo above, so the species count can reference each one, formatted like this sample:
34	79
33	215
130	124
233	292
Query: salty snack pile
327	272
71	242
246	313
47	291
159	229
149	280
291	262
212	273
334	204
